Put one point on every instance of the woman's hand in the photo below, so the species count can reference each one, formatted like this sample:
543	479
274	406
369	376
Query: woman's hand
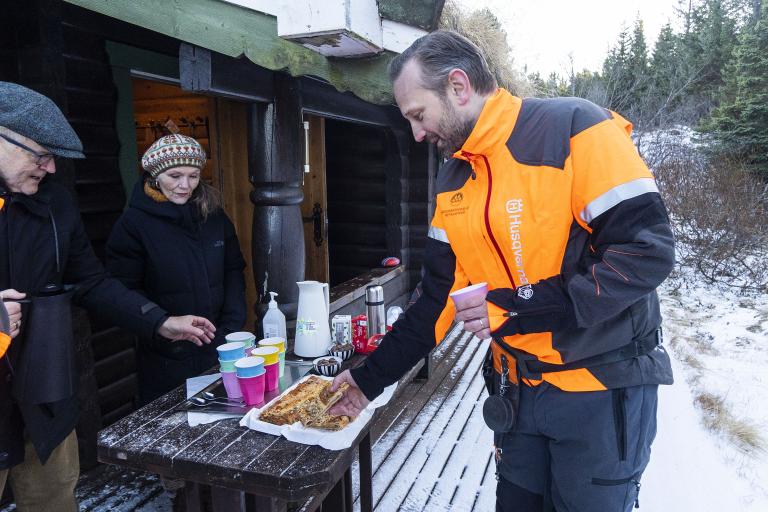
13	308
192	328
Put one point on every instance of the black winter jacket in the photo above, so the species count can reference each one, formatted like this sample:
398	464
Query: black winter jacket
29	244
186	265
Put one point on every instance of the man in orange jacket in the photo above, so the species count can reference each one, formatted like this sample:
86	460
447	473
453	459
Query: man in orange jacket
548	201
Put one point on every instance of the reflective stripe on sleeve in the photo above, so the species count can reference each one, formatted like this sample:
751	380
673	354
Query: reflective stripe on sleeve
438	234
616	195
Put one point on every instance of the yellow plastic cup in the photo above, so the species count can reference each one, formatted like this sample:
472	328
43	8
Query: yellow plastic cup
273	342
271	355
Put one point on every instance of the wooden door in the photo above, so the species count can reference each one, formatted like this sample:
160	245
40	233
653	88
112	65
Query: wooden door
229	143
315	205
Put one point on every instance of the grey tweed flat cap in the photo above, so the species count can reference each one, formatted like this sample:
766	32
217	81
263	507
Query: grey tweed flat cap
36	117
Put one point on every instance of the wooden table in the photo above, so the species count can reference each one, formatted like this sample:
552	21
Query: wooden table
243	469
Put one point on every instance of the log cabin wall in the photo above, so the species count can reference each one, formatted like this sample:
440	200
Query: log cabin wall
357	198
416	207
377	200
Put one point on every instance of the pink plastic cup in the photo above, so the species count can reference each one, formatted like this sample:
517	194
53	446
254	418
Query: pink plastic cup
272	376
252	388
231	384
460	297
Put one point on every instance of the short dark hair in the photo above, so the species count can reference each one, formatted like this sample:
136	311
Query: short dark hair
440	52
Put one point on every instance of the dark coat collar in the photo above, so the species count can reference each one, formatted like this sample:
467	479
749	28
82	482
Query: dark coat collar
39	203
184	215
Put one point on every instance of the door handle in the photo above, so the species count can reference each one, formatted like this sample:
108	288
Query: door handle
317	218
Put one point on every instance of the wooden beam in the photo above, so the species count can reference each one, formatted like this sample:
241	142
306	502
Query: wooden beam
204	71
322	99
234	31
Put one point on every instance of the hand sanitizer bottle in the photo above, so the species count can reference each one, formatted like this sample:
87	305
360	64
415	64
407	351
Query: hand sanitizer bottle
274	320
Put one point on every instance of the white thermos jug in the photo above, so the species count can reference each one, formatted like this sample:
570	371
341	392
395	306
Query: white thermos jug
313	334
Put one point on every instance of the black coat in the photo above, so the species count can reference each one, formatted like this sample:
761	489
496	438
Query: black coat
188	266
29	247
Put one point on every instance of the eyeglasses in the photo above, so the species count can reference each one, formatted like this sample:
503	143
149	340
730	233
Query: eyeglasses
43	159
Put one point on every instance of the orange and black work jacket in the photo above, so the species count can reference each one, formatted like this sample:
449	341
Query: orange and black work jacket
549	203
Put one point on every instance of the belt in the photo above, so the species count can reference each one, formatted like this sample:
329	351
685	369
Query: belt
531	368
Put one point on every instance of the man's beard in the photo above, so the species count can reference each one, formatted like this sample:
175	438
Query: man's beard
455	131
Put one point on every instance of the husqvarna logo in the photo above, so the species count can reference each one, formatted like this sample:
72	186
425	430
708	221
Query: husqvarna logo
514	206
525	292
457	198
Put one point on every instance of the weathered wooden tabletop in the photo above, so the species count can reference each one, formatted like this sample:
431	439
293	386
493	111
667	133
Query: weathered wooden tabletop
158	439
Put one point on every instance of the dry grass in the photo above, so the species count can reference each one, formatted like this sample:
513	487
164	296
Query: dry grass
484	29
719	418
693	362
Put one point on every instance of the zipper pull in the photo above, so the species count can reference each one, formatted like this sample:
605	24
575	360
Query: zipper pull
510	314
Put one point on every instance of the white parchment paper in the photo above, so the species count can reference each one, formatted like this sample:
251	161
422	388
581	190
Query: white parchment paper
329	440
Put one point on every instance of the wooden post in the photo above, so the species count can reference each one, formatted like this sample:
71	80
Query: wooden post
275	147
366	474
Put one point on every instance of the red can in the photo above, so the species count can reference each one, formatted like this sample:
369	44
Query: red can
360	333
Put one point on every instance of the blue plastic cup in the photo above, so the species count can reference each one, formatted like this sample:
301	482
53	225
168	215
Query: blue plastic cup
249	366
231	351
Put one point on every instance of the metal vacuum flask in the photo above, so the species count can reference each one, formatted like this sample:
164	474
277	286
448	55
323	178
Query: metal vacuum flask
374	306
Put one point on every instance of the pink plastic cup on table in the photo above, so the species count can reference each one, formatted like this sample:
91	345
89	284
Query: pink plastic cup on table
272	376
253	388
231	385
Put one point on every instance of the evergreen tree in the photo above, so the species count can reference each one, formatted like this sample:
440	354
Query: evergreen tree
716	38
664	60
638	53
617	75
740	123
637	65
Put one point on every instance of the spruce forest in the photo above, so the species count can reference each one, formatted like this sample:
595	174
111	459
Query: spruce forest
708	70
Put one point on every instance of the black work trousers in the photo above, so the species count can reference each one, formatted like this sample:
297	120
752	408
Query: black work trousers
576	452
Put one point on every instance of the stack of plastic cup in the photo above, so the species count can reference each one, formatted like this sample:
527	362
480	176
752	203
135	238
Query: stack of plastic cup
251	378
228	354
247	338
271	357
279	343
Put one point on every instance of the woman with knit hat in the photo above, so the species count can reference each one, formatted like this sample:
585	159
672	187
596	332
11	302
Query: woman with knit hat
175	244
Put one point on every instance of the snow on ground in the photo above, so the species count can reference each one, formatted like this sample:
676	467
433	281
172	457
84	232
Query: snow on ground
717	337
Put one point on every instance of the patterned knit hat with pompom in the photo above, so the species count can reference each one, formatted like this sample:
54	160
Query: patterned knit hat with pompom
172	151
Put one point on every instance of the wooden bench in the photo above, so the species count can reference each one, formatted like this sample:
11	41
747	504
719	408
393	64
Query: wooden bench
432	450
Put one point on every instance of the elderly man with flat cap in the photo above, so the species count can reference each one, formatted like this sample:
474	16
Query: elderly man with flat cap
46	259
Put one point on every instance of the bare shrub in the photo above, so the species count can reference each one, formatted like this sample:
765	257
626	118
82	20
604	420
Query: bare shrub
719	418
484	29
718	210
